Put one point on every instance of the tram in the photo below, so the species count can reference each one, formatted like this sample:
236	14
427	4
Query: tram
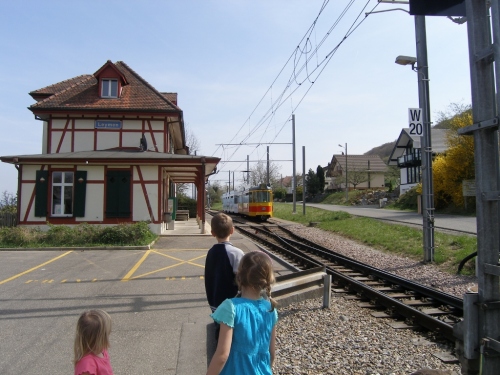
255	202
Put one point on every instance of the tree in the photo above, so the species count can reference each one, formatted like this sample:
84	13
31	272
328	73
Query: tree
357	175
457	164
193	146
215	191
8	203
192	141
312	183
258	174
320	173
279	193
392	175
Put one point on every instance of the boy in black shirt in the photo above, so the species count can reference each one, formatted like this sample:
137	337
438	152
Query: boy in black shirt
221	264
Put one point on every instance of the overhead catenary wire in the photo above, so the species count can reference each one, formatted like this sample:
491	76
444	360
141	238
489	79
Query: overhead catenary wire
302	57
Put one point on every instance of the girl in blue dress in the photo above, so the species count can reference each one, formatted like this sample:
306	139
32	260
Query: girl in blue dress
248	322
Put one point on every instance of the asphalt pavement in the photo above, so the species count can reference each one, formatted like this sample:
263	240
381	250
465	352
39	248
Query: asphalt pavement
156	299
466	224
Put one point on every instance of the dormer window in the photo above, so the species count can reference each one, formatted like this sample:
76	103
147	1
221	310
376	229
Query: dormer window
109	88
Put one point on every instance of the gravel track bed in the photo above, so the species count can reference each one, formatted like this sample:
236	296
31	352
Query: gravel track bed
346	339
426	274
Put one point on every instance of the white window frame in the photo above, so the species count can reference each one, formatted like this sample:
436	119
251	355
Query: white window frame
62	187
109	92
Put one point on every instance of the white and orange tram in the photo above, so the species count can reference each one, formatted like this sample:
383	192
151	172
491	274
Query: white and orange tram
254	202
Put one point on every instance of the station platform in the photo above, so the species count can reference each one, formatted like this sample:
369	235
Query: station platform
190	227
190	351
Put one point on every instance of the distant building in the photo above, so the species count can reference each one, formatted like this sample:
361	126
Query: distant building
364	171
328	178
406	154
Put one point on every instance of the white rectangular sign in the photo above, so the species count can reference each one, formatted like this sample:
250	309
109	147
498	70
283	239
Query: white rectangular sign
415	121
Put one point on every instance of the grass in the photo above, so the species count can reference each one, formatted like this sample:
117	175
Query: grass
82	235
390	238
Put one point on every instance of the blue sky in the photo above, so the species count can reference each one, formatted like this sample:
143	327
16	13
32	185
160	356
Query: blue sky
223	58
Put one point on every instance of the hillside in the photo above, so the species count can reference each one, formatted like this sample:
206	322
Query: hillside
384	151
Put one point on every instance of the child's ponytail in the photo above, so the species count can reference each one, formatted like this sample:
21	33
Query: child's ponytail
272	300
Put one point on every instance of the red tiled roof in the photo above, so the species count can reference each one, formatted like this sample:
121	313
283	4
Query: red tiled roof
172	96
52	89
82	94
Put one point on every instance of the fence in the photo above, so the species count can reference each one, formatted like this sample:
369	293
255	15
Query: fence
8	220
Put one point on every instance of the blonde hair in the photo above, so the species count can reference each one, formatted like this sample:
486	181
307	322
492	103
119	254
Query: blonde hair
221	225
256	271
92	334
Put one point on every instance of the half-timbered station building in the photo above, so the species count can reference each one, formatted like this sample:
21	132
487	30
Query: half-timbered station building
113	150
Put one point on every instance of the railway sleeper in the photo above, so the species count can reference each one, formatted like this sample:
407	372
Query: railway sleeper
397	295
369	305
433	311
384	314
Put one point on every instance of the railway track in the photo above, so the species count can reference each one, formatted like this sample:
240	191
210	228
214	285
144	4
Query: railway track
409	304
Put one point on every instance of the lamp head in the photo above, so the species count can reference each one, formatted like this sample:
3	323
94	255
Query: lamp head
405	60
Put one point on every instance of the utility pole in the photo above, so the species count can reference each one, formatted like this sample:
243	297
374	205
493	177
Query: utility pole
480	328
304	180
346	178
268	182
424	100
294	182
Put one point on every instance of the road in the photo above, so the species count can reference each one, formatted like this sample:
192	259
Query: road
466	224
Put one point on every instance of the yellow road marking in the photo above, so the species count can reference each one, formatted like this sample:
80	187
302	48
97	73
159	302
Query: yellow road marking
34	268
131	272
63	281
161	269
181	250
182	260
128	276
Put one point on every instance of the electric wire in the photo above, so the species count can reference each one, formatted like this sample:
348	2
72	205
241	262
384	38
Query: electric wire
308	54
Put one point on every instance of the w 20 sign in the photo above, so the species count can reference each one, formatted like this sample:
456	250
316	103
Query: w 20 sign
415	121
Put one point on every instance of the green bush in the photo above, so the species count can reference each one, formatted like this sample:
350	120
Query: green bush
81	235
185	203
408	201
19	236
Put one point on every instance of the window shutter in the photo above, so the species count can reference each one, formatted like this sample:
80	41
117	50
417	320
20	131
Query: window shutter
80	184
41	190
118	194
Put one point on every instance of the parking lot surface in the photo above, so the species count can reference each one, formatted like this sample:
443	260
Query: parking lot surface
156	299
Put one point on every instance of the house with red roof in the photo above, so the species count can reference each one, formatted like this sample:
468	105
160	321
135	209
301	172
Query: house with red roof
113	150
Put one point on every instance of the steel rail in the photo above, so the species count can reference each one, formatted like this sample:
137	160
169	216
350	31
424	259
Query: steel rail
446	298
378	297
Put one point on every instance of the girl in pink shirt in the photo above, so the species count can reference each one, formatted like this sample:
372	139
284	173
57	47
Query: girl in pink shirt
92	343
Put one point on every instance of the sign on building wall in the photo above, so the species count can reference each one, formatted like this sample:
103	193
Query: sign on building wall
108	124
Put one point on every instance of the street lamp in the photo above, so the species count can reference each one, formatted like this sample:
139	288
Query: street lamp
346	180
422	70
